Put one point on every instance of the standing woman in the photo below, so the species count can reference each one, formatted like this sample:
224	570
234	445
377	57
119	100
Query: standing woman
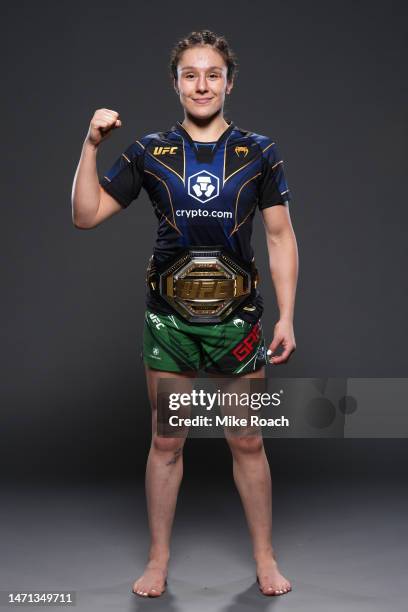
205	178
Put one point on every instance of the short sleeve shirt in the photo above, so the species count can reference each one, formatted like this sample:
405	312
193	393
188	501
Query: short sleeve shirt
203	194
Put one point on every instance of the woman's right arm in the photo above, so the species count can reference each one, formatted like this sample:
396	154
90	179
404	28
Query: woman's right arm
91	204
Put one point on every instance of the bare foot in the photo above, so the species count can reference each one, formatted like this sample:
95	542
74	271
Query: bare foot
269	578
153	581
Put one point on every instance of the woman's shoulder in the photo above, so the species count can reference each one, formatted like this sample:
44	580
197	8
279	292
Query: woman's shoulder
262	139
142	141
139	144
266	143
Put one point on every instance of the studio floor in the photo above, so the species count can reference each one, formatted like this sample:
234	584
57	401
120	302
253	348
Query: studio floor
343	546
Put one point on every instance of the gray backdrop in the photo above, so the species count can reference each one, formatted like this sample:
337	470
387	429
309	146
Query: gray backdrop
327	81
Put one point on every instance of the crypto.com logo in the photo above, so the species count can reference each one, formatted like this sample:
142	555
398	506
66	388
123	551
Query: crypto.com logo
203	186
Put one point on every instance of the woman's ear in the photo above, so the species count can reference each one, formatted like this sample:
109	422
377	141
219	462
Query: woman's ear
175	87
230	85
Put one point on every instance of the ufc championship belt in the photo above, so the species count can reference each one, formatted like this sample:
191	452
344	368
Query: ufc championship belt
203	284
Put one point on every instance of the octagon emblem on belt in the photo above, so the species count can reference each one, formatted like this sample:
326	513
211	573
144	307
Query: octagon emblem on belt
205	285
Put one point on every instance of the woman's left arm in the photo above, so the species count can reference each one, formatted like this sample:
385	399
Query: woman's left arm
284	265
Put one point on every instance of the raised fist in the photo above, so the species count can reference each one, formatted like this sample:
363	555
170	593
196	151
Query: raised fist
102	125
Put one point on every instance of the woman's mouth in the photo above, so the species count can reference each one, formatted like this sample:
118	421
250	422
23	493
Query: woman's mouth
202	100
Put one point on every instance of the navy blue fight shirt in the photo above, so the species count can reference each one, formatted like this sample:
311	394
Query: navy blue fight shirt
203	194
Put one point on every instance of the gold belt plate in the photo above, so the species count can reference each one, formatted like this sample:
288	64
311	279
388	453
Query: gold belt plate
205	287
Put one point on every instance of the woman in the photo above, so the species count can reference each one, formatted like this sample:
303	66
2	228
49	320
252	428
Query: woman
205	178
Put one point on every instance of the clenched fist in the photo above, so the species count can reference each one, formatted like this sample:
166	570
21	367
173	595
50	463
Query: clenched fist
102	125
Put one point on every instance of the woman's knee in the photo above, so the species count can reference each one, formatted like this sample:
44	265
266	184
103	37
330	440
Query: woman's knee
246	445
167	445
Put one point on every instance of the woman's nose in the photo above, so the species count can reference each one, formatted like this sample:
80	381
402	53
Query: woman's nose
202	84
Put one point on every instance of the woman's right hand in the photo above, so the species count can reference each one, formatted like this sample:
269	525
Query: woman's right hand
102	125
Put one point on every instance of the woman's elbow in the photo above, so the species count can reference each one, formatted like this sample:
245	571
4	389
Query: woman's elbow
82	224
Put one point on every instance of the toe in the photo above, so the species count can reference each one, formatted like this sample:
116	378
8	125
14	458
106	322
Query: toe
154	592
137	589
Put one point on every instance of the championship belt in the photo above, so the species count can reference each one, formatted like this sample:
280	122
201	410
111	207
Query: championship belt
203	284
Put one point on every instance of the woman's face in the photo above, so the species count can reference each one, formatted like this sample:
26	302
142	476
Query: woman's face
202	81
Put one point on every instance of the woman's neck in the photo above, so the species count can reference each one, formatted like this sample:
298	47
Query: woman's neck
208	130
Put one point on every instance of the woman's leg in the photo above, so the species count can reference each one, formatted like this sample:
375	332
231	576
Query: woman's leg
253	480
164	472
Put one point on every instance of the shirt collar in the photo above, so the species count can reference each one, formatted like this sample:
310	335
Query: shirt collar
183	132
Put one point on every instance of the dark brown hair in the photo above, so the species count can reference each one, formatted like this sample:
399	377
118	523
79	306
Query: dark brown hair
204	37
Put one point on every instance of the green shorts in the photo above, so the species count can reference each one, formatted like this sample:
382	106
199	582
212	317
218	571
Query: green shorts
171	344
